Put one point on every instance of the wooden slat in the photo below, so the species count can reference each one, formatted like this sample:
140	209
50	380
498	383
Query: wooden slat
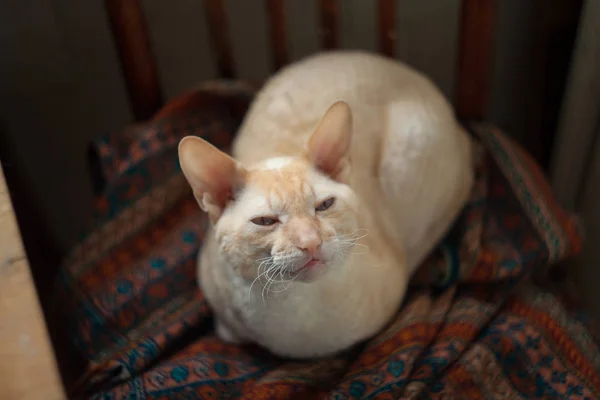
277	23
387	27
330	23
476	42
135	52
221	41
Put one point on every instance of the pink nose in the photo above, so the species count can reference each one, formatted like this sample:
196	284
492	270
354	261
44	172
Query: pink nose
307	240
310	246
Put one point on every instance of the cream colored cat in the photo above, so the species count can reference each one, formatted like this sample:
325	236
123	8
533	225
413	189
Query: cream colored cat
324	213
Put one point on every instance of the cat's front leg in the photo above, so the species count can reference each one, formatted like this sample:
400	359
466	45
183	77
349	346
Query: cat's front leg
226	334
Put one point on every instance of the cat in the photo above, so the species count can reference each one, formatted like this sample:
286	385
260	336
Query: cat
347	170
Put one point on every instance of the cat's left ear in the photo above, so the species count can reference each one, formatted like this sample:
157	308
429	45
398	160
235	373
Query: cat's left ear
214	176
328	147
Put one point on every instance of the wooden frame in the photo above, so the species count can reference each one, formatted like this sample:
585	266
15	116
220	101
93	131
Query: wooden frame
475	53
28	369
137	59
277	34
140	70
387	26
219	32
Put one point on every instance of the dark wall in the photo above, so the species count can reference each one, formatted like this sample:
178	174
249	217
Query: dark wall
61	85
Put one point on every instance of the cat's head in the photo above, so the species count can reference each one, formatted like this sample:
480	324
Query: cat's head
287	218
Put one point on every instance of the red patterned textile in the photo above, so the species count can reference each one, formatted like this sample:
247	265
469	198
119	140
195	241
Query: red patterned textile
474	325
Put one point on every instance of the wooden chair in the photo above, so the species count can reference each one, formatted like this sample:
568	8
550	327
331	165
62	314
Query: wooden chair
141	75
140	70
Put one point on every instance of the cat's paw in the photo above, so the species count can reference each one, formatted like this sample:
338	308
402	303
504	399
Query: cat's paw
225	334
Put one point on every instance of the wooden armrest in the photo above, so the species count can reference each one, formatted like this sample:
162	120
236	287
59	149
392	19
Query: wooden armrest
28	369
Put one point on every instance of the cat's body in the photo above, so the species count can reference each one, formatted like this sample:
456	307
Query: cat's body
410	175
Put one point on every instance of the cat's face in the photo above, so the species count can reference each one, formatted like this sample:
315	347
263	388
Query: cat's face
289	222
286	218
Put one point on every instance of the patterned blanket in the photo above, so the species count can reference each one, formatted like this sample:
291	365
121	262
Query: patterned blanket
474	324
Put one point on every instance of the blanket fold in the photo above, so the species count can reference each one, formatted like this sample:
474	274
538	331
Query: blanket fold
473	325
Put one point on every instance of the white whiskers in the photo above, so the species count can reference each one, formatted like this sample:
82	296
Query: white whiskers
276	271
345	243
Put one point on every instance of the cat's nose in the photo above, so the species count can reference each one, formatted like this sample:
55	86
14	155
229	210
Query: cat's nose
305	236
309	244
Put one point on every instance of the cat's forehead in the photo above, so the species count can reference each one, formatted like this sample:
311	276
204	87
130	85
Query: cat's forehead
282	174
288	186
282	183
278	163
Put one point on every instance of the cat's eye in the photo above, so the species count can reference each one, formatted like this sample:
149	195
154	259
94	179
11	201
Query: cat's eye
325	204
264	221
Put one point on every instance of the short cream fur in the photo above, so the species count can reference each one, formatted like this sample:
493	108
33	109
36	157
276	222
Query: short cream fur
346	172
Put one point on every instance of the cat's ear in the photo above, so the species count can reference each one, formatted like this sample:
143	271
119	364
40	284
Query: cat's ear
214	176
328	147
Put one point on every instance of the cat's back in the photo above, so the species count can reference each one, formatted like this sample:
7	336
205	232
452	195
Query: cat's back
290	105
411	159
356	75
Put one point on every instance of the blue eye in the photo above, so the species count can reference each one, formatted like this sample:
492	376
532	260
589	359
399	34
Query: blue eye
325	204
264	221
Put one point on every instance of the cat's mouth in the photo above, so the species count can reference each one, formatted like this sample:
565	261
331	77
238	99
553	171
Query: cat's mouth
310	264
